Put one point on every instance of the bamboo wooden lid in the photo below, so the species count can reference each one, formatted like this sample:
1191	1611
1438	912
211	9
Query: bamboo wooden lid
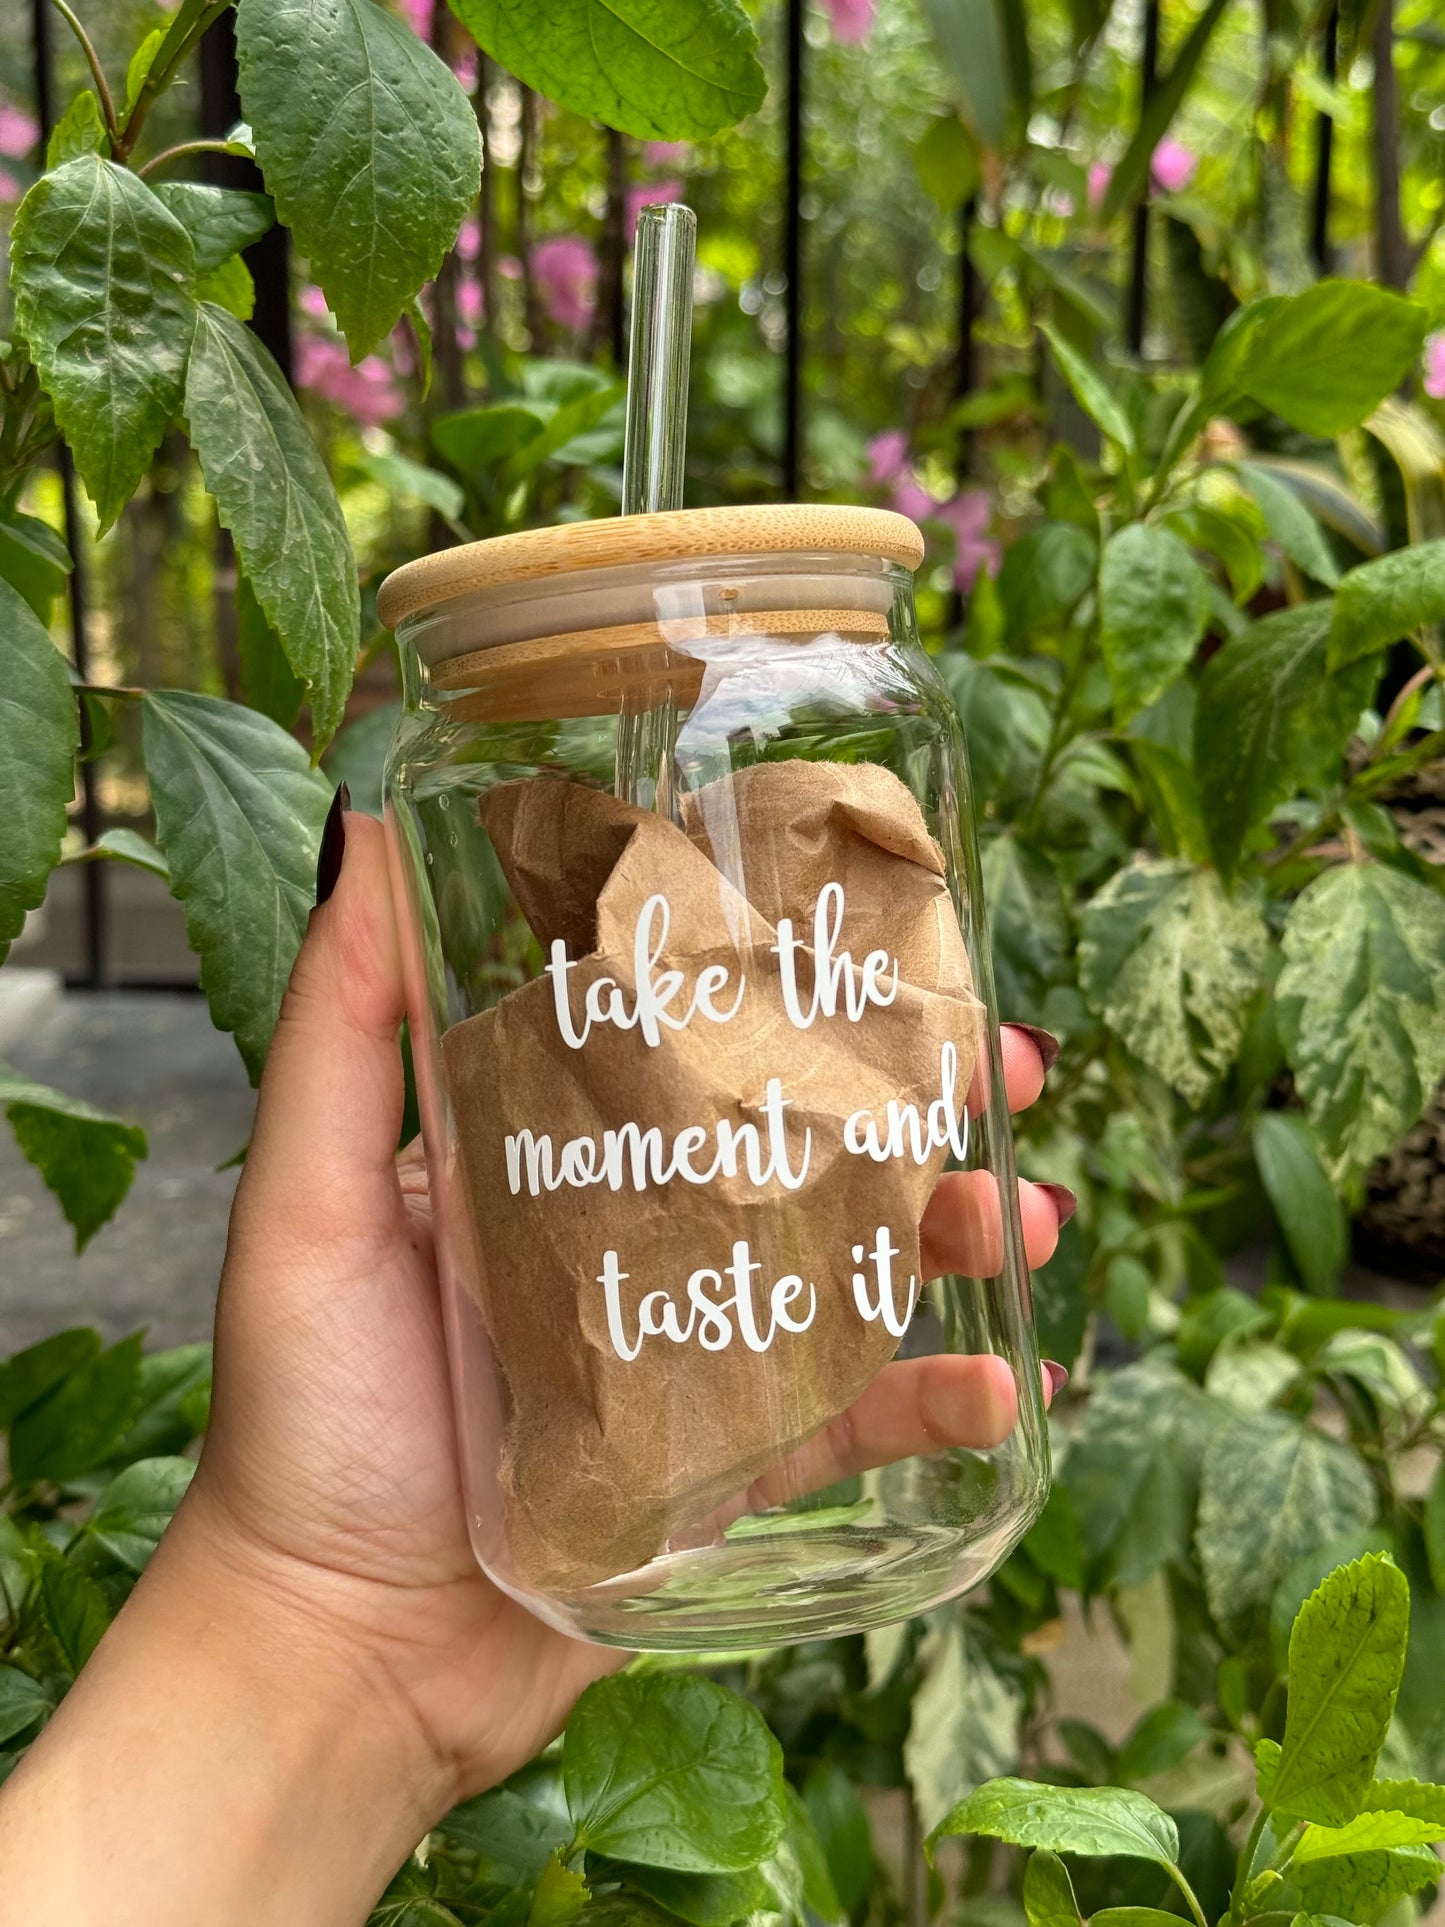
679	536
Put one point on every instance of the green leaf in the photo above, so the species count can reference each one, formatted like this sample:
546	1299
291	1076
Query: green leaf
129	846
30	1374
74	1610
169	1383
1304	1202
514	1829
221	221
400	476
798	1869
1273	1489
969	36
268	682
702	1899
23	1701
79	131
1171	797
1170	962
137	1506
1029	924
644	67
1130	176
1290	523
239	813
1369	1833
1132	1470
672	1770
1271	720
1092	1820
102	272
34	560
947	162
1091	391
1381	601
842	1825
1049	1893
41	733
559	1897
1346	1659
230	287
1045	574
1153	610
86	1156
1363	1887
138	70
1322	360
75	1427
1359	1002
1162	1739
274	494
373	162
964	1725
477	441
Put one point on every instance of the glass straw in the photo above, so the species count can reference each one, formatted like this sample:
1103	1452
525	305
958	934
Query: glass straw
654	444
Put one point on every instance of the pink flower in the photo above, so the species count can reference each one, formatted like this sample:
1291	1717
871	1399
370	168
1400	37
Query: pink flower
887	457
1100	175
465	68
852	19
19	131
469	301
10	188
565	271
1435	366
368	392
419	13
911	500
652	195
1172	167
469	241
666	153
313	301
509	267
968	515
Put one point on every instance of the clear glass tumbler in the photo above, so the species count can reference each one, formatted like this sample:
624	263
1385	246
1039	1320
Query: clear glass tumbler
708	1063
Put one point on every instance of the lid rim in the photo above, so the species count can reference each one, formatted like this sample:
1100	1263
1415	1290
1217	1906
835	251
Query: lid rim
676	535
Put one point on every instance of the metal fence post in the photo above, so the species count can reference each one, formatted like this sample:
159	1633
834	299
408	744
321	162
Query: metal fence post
1139	260
793	256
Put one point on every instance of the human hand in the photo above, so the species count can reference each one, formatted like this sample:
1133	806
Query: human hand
327	1515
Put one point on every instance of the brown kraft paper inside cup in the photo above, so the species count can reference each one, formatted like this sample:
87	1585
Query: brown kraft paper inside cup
606	1456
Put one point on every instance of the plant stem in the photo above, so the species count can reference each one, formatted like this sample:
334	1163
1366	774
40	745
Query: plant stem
192	20
1176	1874
181	148
107	105
1246	1858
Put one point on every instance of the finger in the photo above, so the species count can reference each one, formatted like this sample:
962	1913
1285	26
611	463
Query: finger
1024	1065
962	1228
914	1406
332	1095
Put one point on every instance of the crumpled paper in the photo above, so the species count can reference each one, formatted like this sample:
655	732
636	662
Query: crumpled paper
605	1458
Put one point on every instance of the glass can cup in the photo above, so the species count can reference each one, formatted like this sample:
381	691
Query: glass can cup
707	1060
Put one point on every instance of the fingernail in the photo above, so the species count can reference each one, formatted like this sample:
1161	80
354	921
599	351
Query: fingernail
333	844
1065	1203
1058	1375
1043	1041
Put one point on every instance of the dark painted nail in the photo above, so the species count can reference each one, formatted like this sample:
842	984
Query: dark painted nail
1058	1375
1065	1203
333	844
1043	1041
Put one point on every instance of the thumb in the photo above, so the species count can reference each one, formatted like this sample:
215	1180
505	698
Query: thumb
322	1154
